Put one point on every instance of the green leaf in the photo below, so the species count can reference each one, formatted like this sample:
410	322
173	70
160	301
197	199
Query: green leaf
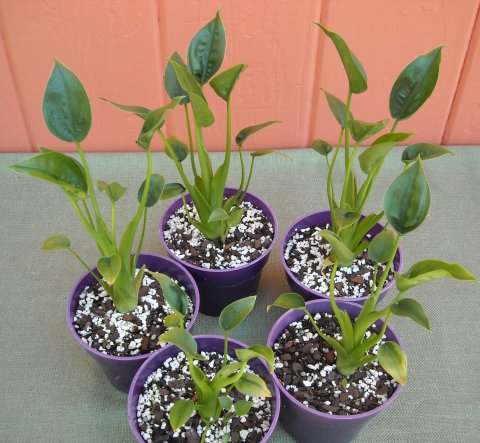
66	108
235	217
172	190
249	130
155	190
56	242
113	190
186	79
382	247
361	130
415	84
257	351
322	147
393	359
110	267
137	280
408	307
172	85
357	79
242	407
338	108
341	254
407	200
172	321
364	227
217	215
203	114
426	151
224	82
140	111
56	168
234	313
373	157
428	270
180	149
175	296
181	411
206	50
267	152
288	300
345	218
252	385
225	402
183	340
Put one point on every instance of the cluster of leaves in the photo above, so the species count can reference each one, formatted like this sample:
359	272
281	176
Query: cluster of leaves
410	91
212	400
66	111
406	204
184	83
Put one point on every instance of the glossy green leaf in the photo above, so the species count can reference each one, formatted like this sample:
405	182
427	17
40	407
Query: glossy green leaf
225	402
252	385
234	313
426	151
357	79
183	340
206	50
172	321
180	149
394	360
137	110
344	218
172	85
110	267
364	227
407	200
155	190
186	79
382	247
242	407
175	296
322	147
249	130
113	190
373	157
56	168
56	242
203	114
66	108
288	300
217	215
361	130
415	84
224	82
172	190
341	254
260	351
338	108
235	217
181	411
408	307
428	270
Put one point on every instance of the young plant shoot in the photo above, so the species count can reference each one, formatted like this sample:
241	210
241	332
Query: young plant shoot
186	82
66	111
406	205
412	88
213	401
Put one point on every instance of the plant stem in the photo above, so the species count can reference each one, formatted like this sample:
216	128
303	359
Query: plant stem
100	282
114	236
204	434
225	350
205	164
374	282
394	126
333	302
242	164
187	211
347	176
388	266
248	181
190	140
142	236
330	189
85	207
347	131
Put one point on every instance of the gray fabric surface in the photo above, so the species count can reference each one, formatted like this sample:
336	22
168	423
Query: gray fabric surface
51	391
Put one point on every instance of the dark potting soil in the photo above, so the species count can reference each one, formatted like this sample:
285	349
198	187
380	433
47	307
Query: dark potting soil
171	382
305	254
123	334
305	364
244	243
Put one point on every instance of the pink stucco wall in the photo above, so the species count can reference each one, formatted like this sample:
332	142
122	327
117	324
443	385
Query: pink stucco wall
119	49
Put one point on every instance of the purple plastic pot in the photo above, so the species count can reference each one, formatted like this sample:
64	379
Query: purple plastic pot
220	287
120	370
208	343
319	219
303	422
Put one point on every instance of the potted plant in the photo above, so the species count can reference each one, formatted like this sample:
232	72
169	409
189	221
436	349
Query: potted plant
339	363
306	253
222	235
116	310
206	388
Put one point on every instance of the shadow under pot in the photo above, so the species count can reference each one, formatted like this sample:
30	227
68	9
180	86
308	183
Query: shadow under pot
321	418
156	376
301	251
87	317
239	278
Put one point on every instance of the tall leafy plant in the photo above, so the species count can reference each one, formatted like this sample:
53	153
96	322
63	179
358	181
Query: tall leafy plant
186	81
66	111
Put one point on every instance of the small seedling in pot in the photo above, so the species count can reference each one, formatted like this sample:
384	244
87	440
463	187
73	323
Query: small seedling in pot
66	111
216	213
213	401
410	91
406	205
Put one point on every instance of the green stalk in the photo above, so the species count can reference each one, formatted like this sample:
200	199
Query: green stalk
333	302
85	207
330	189
114	236
190	140
95	276
187	211
248	181
347	131
225	350
384	276
205	164
394	126
142	236
347	176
